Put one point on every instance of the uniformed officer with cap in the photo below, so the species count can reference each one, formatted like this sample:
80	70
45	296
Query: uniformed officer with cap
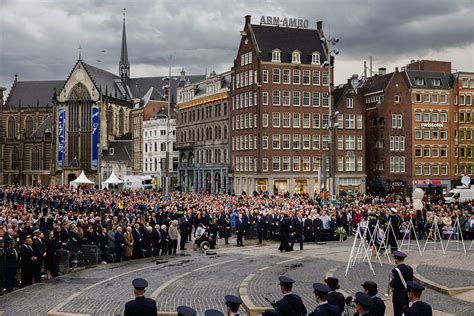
401	274
233	303
141	306
335	298
290	304
185	311
363	303
270	312
324	308
378	306
213	312
417	306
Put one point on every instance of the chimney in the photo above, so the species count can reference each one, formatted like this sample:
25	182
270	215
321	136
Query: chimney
382	71
248	19
319	26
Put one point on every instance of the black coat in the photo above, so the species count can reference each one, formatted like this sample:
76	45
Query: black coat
11	260
378	307
400	295
419	308
336	298
141	306
290	305
326	310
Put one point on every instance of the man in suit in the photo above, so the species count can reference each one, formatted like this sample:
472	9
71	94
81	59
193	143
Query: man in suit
39	251
363	302
323	308
417	307
118	241
11	265
284	233
297	231
233	303
335	298
184	227
401	274
140	306
260	228
378	306
27	260
291	304
137	242
240	227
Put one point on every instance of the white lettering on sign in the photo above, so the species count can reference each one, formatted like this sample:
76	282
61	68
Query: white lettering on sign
432	125
286	22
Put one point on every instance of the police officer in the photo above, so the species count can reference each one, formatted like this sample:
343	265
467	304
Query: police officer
378	306
401	274
213	312
141	306
290	304
363	303
417	306
185	311
233	303
335	298
324	308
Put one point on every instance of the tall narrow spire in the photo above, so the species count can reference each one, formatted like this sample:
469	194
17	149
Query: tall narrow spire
124	65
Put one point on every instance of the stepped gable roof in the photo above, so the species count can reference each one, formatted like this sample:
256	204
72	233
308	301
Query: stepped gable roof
33	93
287	40
447	79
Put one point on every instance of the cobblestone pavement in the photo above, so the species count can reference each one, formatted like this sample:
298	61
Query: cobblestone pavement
443	275
201	281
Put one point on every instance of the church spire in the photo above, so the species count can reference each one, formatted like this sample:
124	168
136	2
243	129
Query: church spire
124	65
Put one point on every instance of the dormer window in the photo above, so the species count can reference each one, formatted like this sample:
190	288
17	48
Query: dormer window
295	57
276	53
436	82
111	151
315	60
420	81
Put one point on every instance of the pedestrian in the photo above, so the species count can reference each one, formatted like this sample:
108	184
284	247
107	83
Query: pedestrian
334	297
11	265
140	306
51	249
128	244
233	303
291	304
227	228
240	227
378	306
323	308
39	251
401	274
417	306
119	242
363	303
184	228
173	234
27	261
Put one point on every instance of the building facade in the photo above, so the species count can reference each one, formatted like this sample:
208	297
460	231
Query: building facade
280	108
203	135
154	146
464	121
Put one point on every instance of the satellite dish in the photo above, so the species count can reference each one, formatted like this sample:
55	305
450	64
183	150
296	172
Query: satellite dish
466	180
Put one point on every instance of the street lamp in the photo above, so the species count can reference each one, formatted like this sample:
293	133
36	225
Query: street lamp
328	44
167	89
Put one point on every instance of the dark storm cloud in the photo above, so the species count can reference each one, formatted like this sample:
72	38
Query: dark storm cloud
40	39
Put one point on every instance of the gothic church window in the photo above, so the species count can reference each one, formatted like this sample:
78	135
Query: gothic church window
15	162
28	126
11	127
35	159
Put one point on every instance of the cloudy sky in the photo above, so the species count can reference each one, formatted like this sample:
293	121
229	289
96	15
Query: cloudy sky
39	39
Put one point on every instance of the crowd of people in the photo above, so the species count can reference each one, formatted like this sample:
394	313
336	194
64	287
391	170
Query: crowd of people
38	223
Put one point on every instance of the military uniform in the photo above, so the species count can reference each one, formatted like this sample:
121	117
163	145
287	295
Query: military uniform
324	308
418	308
378	306
335	298
141	306
365	302
290	304
399	296
233	302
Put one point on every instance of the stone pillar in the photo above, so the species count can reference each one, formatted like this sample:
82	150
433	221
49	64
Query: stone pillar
223	189
311	187
213	187
186	181
291	185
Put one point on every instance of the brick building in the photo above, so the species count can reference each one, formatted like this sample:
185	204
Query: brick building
279	109
203	135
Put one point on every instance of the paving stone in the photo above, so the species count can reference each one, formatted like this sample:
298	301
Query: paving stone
444	275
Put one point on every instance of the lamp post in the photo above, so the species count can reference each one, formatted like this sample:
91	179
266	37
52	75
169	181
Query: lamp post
328	44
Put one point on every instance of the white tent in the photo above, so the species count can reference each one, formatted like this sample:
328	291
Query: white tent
113	179
82	179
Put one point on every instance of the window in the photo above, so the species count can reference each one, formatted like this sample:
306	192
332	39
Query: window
418	151
265	76
426	151
276	119
400	121
295	57
426	98
316	78
418	97
316	99
435	152
350	142
316	120
286	141
418	116
306	77
444	152
286	76
286	98
296	141
315	58
426	116
276	163
465	83
325	142
325	99
316	163
444	135
296	76
426	134
316	142
265	98
434	116
443	98
418	134
276	55
276	97
340	163
350	103
35	159
11	127
434	98
296	98
340	121
418	170
359	164
306	120
397	98
306	164
264	120
435	170
296	163
285	161
306	141
325	120
359	121
426	170
350	163
443	117
276	75
286	120
265	142
296	120
265	164
444	170
436	82
419	81
340	142
325	78
471	85
359	143
306	97
350	121
276	141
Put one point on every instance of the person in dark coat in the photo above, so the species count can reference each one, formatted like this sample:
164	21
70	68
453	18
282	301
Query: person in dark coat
324	308
184	227
378	306
291	304
51	246
392	236
27	260
240	228
227	228
284	234
39	251
417	307
297	223
335	298
119	242
104	245
11	265
140	306
137	242
401	274
156	240
363	302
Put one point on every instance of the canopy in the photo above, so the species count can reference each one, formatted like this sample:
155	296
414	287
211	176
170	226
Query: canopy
82	179
113	179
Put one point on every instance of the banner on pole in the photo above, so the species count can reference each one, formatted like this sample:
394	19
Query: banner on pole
61	116
95	136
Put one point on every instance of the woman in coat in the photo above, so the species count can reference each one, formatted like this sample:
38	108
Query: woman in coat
227	229
173	234
128	247
164	240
